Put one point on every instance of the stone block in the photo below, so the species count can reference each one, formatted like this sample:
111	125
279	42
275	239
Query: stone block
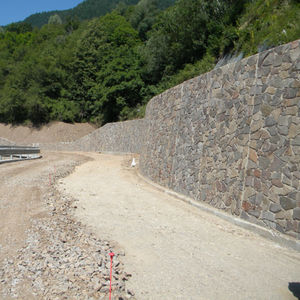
287	203
284	120
257	184
264	162
286	180
292	111
283	130
266	215
296	213
272	130
295	195
244	215
284	74
280	215
270	121
268	60
275	207
271	90
257	173
276	165
254	213
290	93
266	110
290	102
277	182
253	155
296	174
296	141
280	227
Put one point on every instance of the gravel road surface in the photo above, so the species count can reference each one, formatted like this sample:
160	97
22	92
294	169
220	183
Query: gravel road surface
44	252
173	250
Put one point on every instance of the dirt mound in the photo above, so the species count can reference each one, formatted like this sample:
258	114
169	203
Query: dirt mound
52	133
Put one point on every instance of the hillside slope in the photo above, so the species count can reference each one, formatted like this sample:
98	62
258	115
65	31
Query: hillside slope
86	10
107	69
51	133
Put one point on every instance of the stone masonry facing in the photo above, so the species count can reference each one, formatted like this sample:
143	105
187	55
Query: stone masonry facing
229	138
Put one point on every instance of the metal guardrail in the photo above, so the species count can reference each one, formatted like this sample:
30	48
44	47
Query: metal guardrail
16	153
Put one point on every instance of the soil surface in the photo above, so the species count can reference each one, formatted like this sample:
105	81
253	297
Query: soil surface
50	133
173	250
45	253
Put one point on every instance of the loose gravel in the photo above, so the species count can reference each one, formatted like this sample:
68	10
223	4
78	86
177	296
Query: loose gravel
61	259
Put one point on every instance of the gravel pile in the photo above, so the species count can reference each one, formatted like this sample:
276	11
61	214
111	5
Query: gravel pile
62	260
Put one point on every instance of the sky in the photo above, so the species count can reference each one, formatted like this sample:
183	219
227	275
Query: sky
18	10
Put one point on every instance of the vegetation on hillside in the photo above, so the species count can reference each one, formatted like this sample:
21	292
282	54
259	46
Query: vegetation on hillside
107	68
86	10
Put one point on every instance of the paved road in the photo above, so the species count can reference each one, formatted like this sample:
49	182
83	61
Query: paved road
173	250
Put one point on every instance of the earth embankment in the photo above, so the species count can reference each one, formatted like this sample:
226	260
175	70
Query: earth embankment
54	132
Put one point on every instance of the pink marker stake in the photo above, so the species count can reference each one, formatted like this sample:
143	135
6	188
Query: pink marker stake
54	175
111	262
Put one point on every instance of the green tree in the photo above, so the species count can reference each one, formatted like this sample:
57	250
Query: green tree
143	16
21	27
106	69
183	34
55	19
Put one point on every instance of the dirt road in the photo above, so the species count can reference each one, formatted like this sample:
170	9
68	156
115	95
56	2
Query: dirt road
44	252
173	250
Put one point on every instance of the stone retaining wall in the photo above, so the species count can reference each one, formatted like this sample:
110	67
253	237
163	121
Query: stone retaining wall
231	138
125	137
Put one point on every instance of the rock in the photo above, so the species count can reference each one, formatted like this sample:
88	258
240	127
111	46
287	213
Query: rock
287	203
283	130
277	182
275	208
266	215
284	120
276	165
130	292
293	111
296	213
270	121
253	155
264	162
273	130
269	59
290	93
257	173
255	213
296	140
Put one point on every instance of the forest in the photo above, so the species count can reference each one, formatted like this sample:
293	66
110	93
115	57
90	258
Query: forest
82	67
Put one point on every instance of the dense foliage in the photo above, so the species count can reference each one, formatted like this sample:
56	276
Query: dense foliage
86	10
107	68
